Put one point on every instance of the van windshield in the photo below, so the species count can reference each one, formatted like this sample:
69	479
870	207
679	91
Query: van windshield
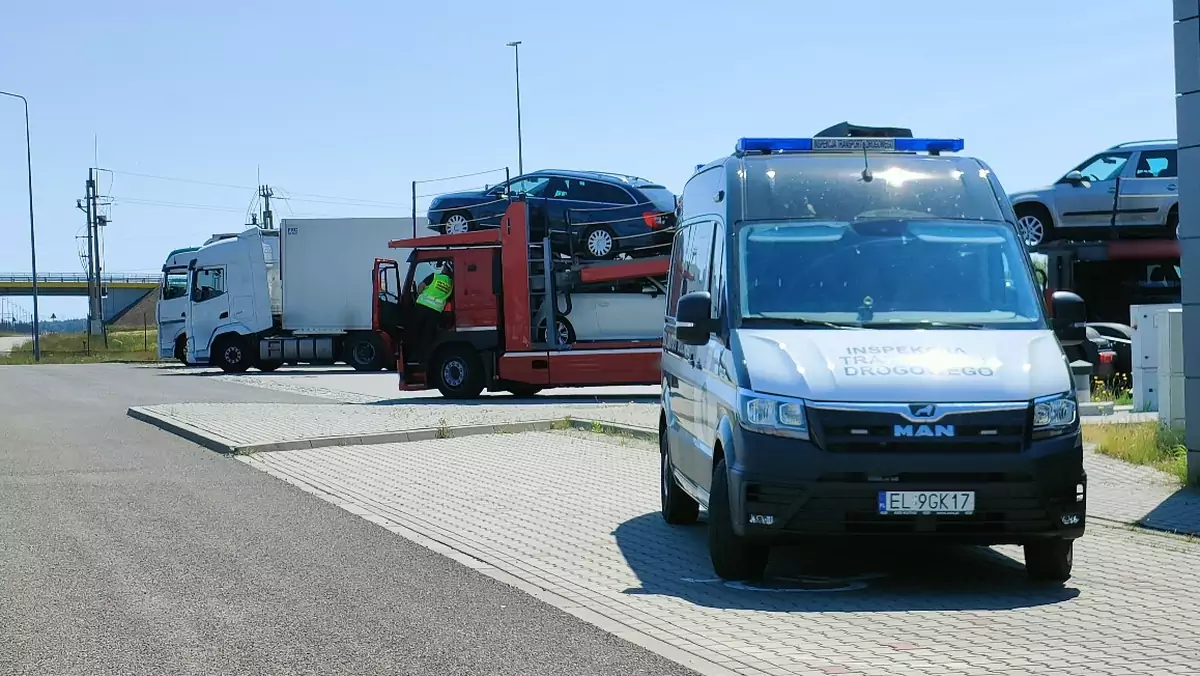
831	188
886	273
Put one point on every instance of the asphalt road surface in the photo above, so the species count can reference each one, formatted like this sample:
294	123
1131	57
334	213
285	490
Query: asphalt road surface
126	550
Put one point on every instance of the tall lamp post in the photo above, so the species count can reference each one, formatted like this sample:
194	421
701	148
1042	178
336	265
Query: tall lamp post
37	345
517	56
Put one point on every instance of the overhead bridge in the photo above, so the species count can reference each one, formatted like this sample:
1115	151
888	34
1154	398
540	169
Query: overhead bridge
120	291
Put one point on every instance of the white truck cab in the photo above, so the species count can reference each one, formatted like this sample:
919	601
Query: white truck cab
231	300
299	294
172	306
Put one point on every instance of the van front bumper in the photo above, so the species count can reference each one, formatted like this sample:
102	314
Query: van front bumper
787	489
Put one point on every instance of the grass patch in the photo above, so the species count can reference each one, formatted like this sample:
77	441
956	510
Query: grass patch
1118	389
1150	443
75	348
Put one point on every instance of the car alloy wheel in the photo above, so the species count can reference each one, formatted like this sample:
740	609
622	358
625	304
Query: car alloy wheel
599	243
457	224
1031	230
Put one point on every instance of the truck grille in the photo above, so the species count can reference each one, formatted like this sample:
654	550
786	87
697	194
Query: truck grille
876	431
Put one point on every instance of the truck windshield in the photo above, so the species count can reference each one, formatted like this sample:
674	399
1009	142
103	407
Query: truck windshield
832	188
887	273
175	283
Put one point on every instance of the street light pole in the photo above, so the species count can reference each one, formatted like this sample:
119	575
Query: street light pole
37	345
520	154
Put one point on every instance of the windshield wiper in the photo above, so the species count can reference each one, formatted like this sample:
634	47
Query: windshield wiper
801	321
923	325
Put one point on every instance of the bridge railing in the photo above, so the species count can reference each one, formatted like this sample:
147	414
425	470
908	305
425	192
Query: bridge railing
78	278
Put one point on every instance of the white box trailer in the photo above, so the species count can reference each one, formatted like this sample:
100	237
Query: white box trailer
299	294
326	269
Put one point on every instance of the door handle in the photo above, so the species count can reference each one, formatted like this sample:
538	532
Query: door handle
224	315
182	314
1170	186
1112	190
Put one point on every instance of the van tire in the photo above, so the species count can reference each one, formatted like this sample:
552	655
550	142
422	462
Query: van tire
457	372
1049	560
733	556
364	352
678	508
232	354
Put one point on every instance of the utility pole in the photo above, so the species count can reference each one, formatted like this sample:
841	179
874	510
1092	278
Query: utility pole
268	218
516	45
94	317
37	339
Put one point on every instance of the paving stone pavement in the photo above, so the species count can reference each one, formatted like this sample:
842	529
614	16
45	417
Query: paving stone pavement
577	515
1117	491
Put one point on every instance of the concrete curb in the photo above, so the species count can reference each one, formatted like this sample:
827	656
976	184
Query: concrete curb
210	440
216	442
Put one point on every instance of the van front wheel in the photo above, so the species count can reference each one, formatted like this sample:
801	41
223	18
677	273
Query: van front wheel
733	556
1049	560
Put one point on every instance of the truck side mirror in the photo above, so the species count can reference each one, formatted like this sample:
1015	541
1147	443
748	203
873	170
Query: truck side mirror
693	318
1070	317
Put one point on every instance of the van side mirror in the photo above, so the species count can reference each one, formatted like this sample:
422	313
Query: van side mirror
1069	318
693	318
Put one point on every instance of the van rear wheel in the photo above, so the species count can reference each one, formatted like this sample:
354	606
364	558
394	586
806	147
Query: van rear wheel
678	508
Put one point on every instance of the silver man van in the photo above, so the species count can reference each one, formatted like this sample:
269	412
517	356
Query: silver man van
856	346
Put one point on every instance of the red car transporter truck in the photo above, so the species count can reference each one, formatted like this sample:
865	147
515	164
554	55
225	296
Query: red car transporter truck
492	335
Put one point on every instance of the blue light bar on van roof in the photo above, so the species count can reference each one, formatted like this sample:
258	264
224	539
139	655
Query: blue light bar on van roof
808	145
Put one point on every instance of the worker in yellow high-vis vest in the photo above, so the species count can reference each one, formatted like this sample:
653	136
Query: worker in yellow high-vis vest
433	297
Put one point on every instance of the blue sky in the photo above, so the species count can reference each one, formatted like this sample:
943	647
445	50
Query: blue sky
355	100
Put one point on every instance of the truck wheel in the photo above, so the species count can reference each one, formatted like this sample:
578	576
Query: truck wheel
268	366
678	508
1049	560
231	355
181	350
365	352
733	557
458	372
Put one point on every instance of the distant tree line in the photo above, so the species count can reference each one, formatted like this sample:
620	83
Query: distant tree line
46	326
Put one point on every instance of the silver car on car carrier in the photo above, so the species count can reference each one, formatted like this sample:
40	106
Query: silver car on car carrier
1132	187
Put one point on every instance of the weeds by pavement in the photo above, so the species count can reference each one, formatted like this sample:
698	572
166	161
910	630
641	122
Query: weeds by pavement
1150	443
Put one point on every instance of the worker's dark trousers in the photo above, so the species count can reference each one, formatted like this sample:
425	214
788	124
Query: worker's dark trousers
424	332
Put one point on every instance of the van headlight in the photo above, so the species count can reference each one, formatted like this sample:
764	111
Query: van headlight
1055	414
767	414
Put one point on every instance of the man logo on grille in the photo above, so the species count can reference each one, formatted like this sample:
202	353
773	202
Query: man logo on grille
922	410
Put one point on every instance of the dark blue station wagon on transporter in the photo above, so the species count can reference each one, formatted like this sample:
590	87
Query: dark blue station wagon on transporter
591	214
